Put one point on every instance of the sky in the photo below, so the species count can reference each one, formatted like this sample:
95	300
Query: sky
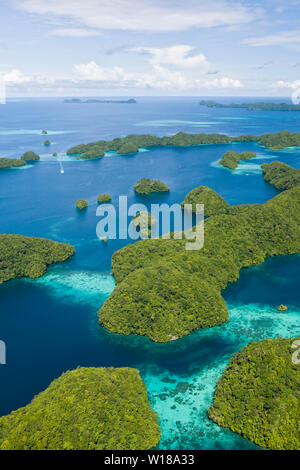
150	47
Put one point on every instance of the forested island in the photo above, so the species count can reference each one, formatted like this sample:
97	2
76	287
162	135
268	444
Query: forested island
29	256
104	198
80	101
165	292
15	162
30	156
259	106
133	142
258	395
232	159
85	409
281	175
11	163
213	203
81	204
148	186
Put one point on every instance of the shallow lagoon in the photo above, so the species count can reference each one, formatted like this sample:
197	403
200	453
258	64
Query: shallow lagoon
50	324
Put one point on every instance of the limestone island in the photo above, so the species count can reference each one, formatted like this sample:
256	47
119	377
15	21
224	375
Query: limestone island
259	106
30	156
213	203
282	308
87	408
281	175
144	222
97	101
47	143
81	204
258	395
128	148
147	186
29	256
104	198
96	149
232	159
184	288
44	132
11	163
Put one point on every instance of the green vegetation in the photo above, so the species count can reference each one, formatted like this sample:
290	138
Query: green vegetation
47	143
213	203
280	140
104	198
165	291
147	186
11	163
128	148
232	159
260	106
93	101
133	142
85	409
282	308
144	221
30	156
95	152
259	395
281	175
44	132
54	154
81	204
29	256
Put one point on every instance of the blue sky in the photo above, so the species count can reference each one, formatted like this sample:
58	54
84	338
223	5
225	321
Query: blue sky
150	47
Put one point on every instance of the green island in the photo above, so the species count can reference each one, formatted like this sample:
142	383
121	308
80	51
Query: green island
30	156
104	198
281	175
128	148
232	159
258	395
148	186
85	409
259	106
213	202
44	132
282	308
280	140
81	204
133	142
11	163
47	143
94	101
165	292
144	222
29	256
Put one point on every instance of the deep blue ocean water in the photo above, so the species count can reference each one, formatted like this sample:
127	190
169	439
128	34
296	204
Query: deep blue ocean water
50	324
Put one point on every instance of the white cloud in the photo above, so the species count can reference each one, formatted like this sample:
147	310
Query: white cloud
179	55
146	15
14	77
223	82
92	71
294	85
278	39
74	32
159	77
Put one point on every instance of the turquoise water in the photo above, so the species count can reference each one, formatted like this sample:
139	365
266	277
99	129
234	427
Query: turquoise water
50	324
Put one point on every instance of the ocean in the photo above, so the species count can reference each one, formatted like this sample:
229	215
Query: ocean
50	324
